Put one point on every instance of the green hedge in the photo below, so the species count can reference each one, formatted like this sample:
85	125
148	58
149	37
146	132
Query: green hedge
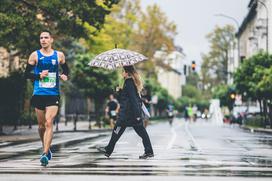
255	121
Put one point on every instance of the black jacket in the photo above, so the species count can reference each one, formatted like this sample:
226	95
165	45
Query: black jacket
130	105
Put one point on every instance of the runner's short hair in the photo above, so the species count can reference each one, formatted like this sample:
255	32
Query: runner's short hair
47	31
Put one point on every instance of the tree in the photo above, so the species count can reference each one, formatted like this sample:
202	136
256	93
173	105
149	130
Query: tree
215	63
265	86
249	77
154	88
118	28
192	79
21	21
252	79
153	32
224	93
95	83
191	92
131	28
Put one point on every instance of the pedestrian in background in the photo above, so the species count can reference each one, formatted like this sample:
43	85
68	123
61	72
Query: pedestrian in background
130	114
170	113
190	112
186	114
112	110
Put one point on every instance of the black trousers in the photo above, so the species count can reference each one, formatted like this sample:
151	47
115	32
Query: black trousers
117	133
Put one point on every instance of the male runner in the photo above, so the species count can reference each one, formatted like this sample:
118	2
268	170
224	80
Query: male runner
112	110
45	63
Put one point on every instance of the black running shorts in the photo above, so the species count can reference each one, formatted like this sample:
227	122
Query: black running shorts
43	101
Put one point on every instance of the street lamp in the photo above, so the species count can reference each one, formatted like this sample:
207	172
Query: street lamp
267	22
238	26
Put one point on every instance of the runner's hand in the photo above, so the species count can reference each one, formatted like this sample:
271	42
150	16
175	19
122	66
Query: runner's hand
43	74
63	77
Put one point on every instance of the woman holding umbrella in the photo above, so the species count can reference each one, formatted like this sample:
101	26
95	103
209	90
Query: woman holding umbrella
130	114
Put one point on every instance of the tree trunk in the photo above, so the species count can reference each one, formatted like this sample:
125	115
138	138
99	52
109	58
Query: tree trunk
10	61
75	121
270	113
261	111
226	65
261	108
265	112
1	128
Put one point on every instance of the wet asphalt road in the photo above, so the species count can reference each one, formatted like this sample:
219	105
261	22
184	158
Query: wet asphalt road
191	151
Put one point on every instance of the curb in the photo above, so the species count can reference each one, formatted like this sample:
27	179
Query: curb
91	130
257	130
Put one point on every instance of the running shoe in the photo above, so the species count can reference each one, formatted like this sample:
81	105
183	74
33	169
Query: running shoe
146	155
104	151
44	160
49	155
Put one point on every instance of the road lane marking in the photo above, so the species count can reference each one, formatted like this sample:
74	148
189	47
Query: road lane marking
98	142
192	140
174	136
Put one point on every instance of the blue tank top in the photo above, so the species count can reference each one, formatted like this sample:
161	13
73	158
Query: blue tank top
50	84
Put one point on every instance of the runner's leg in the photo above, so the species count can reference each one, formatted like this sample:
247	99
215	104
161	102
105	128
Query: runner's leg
50	113
41	123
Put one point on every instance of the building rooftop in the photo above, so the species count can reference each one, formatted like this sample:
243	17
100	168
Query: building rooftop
251	14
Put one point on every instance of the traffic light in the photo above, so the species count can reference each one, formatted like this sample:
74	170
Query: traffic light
193	65
232	96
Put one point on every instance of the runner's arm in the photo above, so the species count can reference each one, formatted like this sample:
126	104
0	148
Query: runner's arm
30	66
63	64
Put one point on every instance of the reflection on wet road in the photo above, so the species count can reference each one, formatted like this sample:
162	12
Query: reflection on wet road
196	149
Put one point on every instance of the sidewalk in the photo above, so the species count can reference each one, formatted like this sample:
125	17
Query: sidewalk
23	133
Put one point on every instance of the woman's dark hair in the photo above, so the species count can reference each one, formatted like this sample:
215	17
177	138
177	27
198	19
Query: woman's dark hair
129	69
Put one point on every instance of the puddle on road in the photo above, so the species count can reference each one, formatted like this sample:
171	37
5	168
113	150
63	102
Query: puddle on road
83	159
266	141
264	162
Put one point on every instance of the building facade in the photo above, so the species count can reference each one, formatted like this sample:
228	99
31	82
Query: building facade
171	78
254	35
256	30
4	63
8	63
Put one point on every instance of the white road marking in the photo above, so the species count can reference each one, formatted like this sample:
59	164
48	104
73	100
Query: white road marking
174	136
192	140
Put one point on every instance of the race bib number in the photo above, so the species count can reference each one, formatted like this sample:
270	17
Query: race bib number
49	81
113	113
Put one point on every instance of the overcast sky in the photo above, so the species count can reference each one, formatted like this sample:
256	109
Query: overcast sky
195	19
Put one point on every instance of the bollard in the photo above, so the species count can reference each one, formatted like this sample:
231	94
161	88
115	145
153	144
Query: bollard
90	118
75	122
